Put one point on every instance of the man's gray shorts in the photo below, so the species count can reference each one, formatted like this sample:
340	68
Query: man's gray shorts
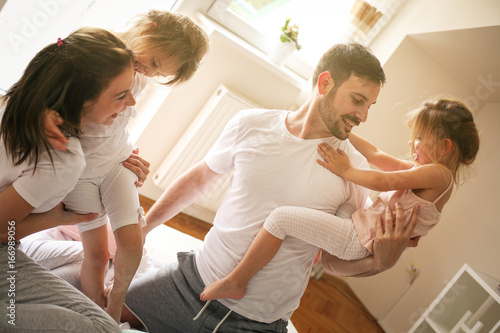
169	300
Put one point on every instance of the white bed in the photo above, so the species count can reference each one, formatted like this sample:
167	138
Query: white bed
161	247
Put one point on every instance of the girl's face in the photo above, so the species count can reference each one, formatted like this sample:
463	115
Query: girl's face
421	150
113	100
152	65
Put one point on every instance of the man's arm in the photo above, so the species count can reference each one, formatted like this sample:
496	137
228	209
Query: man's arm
390	242
180	194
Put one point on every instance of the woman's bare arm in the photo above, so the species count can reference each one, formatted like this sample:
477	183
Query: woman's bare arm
17	220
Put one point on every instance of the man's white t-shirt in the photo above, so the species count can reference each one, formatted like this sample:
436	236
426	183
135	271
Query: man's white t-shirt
50	182
272	168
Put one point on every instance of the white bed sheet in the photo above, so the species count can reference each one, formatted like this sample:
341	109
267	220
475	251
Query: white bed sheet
161	247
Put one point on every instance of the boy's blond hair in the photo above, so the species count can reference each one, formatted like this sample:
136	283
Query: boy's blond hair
173	35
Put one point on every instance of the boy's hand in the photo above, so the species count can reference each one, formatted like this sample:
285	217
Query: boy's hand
51	123
139	166
336	161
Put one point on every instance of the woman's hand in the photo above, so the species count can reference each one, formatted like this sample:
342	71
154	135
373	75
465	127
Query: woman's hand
51	123
336	161
63	217
137	165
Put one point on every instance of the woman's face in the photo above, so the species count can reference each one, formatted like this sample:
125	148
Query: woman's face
152	65
113	100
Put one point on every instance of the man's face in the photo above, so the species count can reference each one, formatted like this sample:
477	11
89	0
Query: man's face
346	106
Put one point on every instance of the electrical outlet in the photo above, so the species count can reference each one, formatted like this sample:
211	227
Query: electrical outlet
414	270
414	266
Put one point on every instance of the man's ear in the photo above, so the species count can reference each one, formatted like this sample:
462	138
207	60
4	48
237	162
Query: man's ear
325	83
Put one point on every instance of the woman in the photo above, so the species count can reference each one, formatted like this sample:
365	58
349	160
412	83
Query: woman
76	77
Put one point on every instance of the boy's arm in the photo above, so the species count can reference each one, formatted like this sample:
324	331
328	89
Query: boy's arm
337	161
55	136
377	157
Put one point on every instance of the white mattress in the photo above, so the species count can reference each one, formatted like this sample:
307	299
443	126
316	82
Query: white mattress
161	247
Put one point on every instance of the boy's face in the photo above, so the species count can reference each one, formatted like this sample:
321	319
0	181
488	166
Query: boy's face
152	65
346	106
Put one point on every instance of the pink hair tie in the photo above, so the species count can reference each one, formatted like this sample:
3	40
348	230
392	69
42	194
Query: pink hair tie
59	42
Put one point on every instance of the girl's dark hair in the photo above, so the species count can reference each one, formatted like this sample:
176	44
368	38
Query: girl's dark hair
61	77
342	60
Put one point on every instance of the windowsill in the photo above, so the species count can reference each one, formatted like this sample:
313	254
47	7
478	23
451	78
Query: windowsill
218	31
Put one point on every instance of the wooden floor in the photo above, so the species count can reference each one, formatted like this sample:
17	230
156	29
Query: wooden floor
328	304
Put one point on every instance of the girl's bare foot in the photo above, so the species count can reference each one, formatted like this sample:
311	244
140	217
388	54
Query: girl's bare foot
107	294
224	288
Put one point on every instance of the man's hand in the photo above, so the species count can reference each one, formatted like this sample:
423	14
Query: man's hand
51	123
393	238
390	241
137	165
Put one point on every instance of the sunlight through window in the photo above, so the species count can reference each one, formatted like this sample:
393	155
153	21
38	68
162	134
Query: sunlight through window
322	23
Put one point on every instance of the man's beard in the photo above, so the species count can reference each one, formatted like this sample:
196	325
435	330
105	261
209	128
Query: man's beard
327	112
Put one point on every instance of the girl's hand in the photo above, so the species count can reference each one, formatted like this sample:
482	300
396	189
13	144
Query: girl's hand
336	161
137	165
64	217
51	123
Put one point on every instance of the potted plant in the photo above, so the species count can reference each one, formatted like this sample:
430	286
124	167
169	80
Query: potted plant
290	34
289	43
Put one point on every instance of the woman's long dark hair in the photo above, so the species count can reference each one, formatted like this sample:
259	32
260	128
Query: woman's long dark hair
61	77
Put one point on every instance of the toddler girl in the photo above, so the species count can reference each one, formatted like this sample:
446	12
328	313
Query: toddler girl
444	140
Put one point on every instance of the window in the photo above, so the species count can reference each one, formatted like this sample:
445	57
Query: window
322	23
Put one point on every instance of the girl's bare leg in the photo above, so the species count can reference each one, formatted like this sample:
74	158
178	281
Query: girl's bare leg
128	256
96	256
262	250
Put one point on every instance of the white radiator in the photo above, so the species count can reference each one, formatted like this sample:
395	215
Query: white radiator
195	143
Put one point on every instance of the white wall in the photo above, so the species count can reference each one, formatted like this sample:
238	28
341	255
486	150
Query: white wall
420	16
225	64
469	228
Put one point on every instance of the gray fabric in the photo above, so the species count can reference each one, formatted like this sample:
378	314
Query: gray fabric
44	302
169	300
